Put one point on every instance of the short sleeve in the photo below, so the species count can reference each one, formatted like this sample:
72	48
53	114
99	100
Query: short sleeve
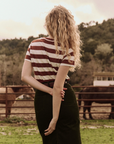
27	56
66	59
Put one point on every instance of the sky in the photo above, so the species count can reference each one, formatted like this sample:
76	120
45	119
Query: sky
24	18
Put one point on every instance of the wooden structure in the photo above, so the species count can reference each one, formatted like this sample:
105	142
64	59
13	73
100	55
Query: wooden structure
7	99
103	79
7	94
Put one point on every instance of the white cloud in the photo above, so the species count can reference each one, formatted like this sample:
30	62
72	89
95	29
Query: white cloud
11	29
23	18
85	9
88	12
23	10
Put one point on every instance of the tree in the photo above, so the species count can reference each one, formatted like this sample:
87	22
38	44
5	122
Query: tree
103	52
86	57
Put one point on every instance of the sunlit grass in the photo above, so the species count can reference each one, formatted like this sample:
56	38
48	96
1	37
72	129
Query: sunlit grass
92	132
19	135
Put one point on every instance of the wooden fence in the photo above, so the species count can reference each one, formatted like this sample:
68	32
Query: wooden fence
6	94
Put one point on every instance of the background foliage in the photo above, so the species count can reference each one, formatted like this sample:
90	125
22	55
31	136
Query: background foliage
97	54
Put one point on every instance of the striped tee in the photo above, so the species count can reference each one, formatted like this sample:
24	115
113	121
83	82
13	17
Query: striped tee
45	62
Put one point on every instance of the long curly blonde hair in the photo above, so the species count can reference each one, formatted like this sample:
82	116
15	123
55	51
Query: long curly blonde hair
61	26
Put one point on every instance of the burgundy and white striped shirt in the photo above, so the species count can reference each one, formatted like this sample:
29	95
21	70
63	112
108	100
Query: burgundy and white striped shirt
45	62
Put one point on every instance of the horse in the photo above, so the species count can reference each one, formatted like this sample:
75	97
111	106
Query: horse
11	97
25	89
96	96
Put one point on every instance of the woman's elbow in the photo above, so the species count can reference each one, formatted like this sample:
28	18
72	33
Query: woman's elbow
23	77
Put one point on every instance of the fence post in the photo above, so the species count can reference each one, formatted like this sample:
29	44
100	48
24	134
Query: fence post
6	100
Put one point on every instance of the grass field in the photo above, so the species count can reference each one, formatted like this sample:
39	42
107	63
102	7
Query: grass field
18	131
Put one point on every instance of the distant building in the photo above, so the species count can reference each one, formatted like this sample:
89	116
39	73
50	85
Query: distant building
103	79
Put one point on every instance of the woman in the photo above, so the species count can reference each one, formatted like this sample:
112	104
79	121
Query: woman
51	58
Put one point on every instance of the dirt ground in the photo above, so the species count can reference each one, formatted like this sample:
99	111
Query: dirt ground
16	111
32	116
97	109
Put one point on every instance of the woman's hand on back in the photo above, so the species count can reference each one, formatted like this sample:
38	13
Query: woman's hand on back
62	93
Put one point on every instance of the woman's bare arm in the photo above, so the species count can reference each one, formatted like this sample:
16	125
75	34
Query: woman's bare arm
26	76
58	86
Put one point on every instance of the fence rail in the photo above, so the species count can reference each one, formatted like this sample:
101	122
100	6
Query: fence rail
6	100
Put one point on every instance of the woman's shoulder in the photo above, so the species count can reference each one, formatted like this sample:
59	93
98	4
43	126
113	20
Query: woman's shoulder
42	39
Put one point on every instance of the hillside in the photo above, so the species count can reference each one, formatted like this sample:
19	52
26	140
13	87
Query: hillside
97	54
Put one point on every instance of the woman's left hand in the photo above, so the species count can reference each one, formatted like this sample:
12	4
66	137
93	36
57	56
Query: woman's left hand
62	93
51	127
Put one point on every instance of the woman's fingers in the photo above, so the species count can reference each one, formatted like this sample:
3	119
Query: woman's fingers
48	131
63	93
51	128
64	88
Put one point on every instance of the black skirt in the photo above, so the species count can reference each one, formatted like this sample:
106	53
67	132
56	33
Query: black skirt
68	126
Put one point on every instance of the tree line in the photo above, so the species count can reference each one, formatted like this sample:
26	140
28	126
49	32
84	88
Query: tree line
97	54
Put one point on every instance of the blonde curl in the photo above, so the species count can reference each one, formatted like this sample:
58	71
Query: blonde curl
61	26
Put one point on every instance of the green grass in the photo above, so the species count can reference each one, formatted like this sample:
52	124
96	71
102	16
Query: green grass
19	135
16	133
97	136
101	122
16	120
